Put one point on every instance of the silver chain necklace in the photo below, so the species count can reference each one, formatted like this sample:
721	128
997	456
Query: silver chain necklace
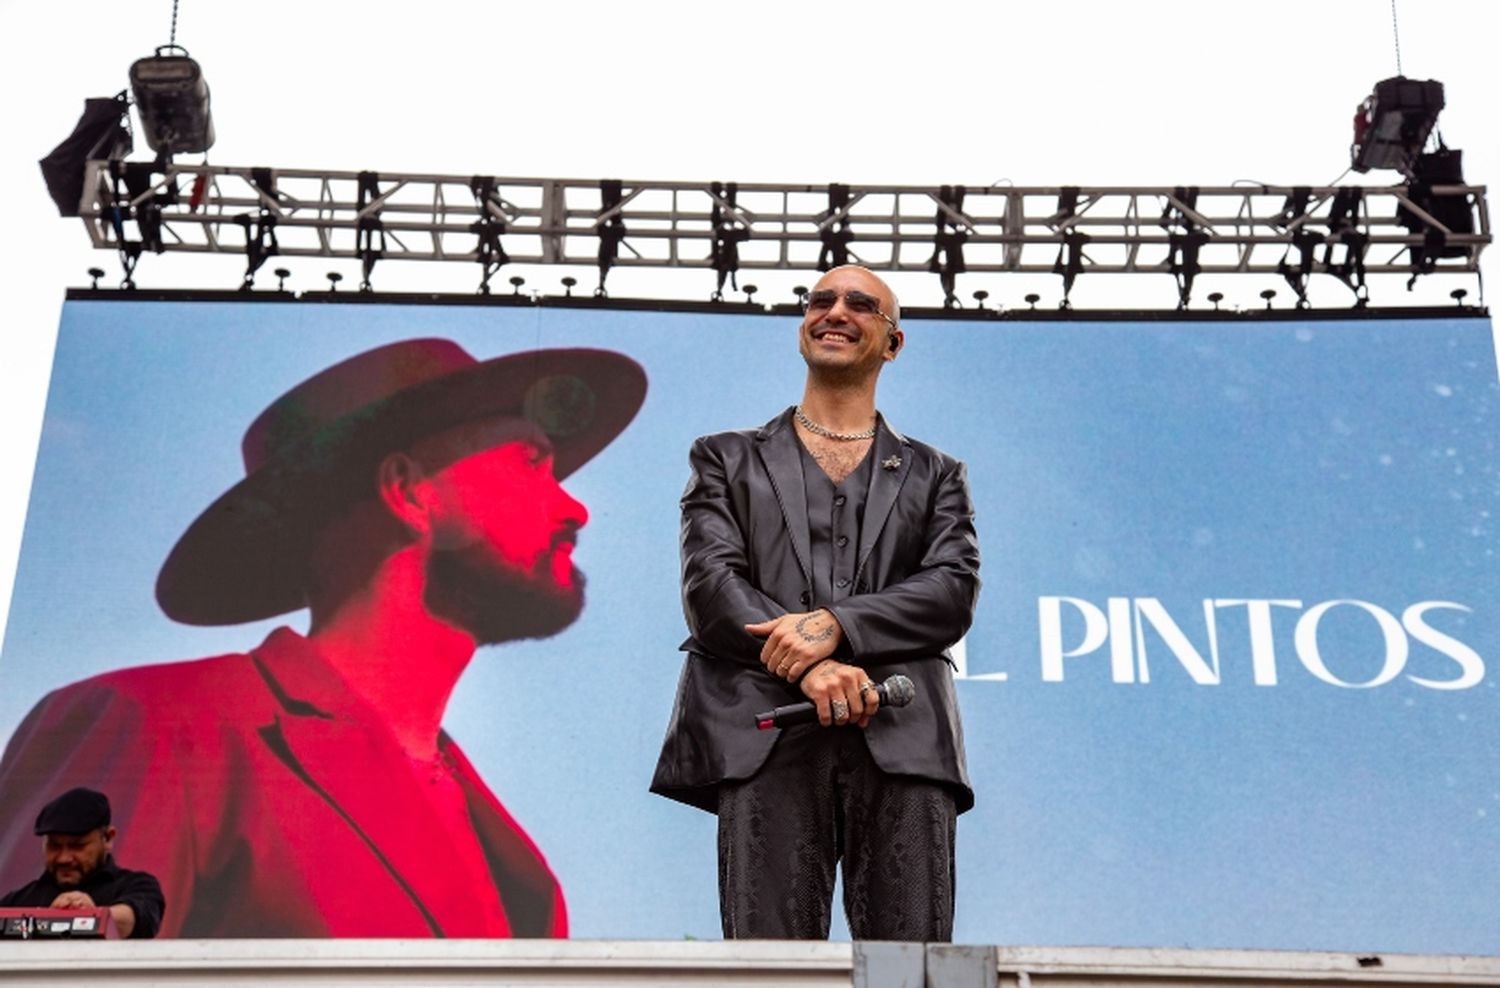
843	437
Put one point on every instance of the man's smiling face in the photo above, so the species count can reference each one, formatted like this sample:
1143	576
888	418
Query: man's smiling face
847	330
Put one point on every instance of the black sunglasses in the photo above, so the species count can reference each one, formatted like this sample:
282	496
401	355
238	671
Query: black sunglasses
856	301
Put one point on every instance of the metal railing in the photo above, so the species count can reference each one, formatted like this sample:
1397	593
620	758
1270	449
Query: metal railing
691	964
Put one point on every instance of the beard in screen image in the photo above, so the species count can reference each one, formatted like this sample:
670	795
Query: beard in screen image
495	603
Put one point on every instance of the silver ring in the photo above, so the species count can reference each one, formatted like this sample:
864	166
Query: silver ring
865	687
840	710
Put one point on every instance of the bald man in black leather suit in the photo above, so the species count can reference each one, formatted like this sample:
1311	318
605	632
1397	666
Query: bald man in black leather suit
822	553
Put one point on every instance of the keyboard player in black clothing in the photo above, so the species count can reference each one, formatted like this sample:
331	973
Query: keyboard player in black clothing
80	871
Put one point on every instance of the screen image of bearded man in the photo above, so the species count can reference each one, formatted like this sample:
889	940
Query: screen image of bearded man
821	553
410	497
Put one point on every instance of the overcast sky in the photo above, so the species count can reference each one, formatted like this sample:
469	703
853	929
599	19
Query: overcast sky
1071	92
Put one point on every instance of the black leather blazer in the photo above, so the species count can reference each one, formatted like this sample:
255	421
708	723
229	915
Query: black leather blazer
746	552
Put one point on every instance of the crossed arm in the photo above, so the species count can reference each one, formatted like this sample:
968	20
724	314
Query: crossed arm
913	618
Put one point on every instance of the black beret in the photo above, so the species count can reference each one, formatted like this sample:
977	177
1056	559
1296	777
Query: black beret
76	811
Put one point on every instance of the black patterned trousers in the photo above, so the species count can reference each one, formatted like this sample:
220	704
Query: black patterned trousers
820	800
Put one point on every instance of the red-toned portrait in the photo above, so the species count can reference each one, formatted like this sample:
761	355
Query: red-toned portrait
411	499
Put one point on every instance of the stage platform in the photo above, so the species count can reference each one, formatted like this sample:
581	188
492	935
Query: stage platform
693	963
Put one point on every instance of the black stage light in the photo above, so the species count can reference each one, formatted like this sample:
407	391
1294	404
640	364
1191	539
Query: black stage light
728	232
834	230
489	228
1436	218
947	261
172	99
1455	212
1392	125
611	228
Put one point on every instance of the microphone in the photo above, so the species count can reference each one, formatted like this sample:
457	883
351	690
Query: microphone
896	691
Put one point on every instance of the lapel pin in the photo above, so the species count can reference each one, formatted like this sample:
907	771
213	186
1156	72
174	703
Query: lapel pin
891	463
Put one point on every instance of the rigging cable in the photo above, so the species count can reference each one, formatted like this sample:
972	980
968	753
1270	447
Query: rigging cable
1395	32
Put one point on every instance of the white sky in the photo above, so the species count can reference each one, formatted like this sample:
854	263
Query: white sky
1148	92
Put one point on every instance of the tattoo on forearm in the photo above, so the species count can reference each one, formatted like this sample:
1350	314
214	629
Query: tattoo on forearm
809	636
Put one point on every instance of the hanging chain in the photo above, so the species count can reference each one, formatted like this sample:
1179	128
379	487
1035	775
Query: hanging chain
1395	32
172	42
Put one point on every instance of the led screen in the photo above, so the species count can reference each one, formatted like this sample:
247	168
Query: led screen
1230	683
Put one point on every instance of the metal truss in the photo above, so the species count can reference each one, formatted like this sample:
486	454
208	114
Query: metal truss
1346	232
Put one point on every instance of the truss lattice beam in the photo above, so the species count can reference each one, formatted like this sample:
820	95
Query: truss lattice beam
1250	229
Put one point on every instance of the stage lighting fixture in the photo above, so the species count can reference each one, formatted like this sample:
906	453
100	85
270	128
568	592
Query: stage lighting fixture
1069	262
1392	125
1305	244
172	99
728	233
611	230
947	261
1067	206
1344	231
836	236
1455	213
369	239
1182	261
489	228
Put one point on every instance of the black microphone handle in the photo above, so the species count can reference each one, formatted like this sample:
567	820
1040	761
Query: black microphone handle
806	712
788	715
